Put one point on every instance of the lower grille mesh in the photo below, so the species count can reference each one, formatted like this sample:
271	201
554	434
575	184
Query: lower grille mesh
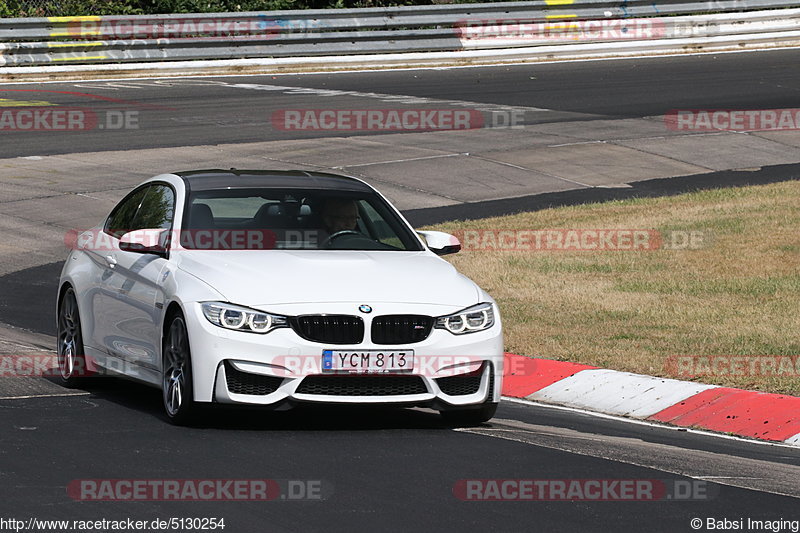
246	383
362	385
461	385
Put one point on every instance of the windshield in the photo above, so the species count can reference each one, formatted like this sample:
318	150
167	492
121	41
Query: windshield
298	219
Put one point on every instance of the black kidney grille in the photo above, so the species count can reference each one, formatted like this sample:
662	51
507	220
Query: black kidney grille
401	329
330	329
246	383
362	385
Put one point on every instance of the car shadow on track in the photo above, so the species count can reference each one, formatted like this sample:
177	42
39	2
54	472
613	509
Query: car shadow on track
303	417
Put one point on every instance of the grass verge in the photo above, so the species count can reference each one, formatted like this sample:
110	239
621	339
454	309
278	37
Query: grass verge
636	311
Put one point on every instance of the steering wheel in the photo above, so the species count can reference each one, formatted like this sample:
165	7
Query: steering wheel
327	242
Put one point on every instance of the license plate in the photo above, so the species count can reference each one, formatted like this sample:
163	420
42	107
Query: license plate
367	361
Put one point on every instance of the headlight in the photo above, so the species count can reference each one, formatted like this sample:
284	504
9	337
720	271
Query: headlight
470	320
241	318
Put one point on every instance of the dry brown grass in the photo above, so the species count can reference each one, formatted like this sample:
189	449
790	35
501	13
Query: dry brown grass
632	310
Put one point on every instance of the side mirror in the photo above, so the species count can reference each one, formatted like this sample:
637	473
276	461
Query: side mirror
145	241
439	242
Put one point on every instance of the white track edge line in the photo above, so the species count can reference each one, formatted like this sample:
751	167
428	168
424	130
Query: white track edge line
780	444
59	395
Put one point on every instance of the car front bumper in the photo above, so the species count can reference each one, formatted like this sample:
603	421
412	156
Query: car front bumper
280	367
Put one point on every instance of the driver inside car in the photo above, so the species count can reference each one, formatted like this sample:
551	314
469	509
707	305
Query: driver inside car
339	214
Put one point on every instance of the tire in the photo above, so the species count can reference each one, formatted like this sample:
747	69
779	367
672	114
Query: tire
469	417
72	369
177	391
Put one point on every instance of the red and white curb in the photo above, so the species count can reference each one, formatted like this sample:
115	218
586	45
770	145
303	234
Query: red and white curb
760	415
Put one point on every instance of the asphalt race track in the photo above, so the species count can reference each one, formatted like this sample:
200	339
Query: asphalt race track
383	470
191	112
387	471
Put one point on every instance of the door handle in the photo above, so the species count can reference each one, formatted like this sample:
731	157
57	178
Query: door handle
111	260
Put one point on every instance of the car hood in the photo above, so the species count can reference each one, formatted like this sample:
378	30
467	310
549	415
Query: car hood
257	278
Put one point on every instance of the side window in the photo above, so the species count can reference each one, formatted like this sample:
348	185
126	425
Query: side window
156	209
148	208
120	221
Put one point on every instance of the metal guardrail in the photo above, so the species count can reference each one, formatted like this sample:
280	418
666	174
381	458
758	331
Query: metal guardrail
329	32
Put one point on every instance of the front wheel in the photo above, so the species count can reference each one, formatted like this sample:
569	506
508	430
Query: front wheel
473	416
176	381
70	351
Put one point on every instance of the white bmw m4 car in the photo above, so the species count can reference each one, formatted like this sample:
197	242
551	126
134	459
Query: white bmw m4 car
276	288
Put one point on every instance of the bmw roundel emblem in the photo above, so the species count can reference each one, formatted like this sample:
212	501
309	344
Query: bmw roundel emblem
365	308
